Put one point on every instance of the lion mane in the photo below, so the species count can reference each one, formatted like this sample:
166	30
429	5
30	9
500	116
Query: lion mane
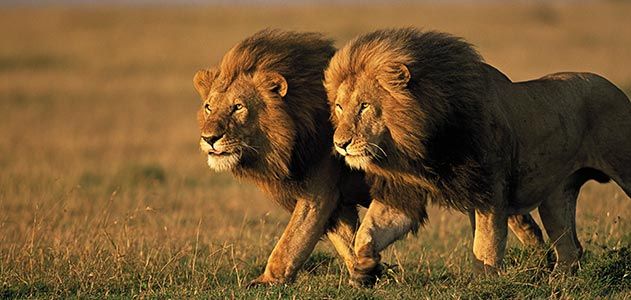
442	103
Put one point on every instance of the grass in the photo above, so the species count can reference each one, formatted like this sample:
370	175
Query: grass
103	193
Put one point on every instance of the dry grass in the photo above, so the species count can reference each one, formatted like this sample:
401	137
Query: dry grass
103	191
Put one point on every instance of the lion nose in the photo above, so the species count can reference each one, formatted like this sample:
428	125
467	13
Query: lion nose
343	143
211	139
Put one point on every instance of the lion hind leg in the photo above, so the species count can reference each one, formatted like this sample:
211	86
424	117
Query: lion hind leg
623	180
382	225
526	230
612	134
558	214
626	188
622	175
523	226
342	233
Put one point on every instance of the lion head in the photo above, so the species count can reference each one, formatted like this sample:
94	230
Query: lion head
394	92
365	113
231	121
257	114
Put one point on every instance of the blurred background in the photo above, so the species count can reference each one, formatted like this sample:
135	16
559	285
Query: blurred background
103	188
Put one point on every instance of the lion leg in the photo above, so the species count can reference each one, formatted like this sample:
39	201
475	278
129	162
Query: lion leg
342	233
381	226
523	226
489	242
558	214
306	226
526	230
621	174
626	186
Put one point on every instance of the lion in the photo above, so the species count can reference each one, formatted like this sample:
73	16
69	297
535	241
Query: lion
422	114
264	117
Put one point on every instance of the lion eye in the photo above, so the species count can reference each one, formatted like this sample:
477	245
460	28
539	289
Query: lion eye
207	108
364	106
238	107
338	106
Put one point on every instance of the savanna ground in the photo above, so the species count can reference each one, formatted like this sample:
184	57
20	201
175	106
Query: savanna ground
103	192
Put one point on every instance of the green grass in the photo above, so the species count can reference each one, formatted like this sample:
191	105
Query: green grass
605	275
104	194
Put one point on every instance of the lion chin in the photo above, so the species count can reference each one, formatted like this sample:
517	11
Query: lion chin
357	155
220	161
358	162
223	162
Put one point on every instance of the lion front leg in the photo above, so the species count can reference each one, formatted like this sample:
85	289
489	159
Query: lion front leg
306	226
489	241
381	226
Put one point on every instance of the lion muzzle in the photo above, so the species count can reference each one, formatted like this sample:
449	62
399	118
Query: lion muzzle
341	144
212	139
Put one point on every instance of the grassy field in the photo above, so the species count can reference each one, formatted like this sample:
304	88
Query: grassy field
103	192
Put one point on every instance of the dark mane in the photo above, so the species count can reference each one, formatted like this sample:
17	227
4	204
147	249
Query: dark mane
435	125
301	59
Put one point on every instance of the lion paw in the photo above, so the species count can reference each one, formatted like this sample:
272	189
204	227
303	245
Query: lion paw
264	280
363	277
481	269
563	271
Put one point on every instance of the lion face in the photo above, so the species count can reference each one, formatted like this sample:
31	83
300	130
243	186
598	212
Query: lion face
230	115
360	125
360	113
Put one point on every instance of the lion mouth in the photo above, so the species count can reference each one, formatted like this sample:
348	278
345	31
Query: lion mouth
222	150
356	155
355	152
219	153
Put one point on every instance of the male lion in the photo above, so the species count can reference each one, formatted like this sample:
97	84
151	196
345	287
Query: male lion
264	116
422	114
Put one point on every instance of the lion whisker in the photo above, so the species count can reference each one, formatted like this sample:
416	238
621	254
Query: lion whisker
381	149
244	144
374	153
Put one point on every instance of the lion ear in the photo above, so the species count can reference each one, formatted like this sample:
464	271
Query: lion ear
273	82
203	80
394	76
